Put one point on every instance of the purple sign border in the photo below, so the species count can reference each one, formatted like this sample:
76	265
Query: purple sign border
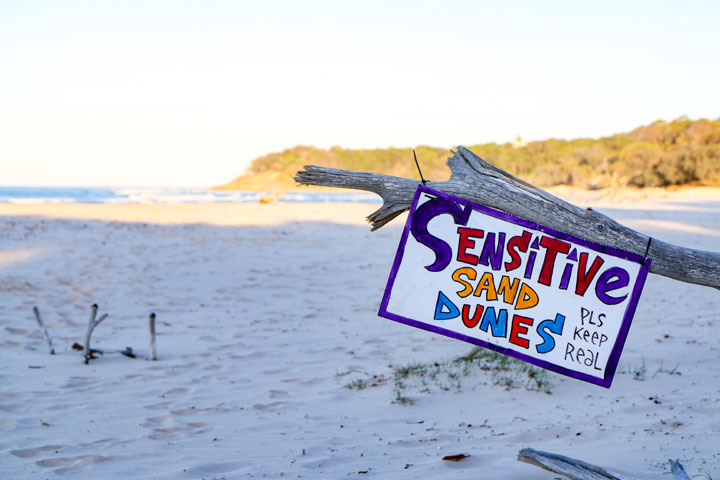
624	326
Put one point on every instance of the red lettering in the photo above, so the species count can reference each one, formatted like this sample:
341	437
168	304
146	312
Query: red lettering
466	242
471	322
518	328
552	246
521	242
585	277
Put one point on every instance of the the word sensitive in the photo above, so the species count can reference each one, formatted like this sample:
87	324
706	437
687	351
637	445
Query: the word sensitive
517	287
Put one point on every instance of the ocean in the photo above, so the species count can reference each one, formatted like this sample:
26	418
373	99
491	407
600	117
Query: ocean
38	195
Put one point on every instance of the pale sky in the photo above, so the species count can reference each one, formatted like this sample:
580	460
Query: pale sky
187	93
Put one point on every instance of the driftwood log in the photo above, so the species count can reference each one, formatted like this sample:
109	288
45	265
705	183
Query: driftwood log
474	179
579	470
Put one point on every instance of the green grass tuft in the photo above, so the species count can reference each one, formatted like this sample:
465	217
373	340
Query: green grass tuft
448	375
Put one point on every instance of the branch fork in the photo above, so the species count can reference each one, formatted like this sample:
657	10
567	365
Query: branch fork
92	323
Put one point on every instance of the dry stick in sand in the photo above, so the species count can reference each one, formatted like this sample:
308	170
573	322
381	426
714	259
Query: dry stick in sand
153	348
44	330
91	326
579	470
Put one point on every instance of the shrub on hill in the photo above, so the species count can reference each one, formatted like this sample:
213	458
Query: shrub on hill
657	155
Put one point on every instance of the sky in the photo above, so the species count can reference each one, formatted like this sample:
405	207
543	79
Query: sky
187	93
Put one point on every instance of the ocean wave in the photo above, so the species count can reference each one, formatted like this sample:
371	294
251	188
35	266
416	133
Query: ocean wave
43	195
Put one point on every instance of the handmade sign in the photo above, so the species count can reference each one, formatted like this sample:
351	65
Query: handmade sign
492	279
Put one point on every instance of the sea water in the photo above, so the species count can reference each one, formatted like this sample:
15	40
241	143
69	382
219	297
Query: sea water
38	195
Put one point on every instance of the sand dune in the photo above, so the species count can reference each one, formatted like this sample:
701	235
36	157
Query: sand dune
267	312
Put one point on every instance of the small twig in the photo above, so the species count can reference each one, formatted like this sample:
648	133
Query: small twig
417	164
153	347
88	333
103	317
44	330
92	323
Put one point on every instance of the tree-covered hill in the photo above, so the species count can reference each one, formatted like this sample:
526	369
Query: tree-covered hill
660	154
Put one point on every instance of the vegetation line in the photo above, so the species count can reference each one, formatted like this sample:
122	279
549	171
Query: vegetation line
661	154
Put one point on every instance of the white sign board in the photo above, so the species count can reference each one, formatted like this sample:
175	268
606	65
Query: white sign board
492	279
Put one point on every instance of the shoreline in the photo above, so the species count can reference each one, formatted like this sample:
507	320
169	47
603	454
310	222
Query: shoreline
354	213
219	213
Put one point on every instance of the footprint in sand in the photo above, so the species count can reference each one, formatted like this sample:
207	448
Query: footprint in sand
270	406
31	452
278	393
16	331
71	464
153	422
158	419
76	382
169	433
174	391
12	407
198	424
160	405
104	442
214	367
212	469
184	411
303	381
179	370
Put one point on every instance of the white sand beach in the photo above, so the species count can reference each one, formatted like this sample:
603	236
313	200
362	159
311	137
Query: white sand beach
266	313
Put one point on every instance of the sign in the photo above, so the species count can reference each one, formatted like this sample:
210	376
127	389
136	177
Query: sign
493	279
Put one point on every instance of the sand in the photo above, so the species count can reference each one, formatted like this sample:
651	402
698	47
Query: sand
265	313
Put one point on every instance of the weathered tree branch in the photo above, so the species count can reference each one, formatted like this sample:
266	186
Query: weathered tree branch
579	470
472	178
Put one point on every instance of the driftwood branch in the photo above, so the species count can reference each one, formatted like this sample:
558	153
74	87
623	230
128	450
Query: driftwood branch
579	470
44	329
92	323
472	178
153	346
